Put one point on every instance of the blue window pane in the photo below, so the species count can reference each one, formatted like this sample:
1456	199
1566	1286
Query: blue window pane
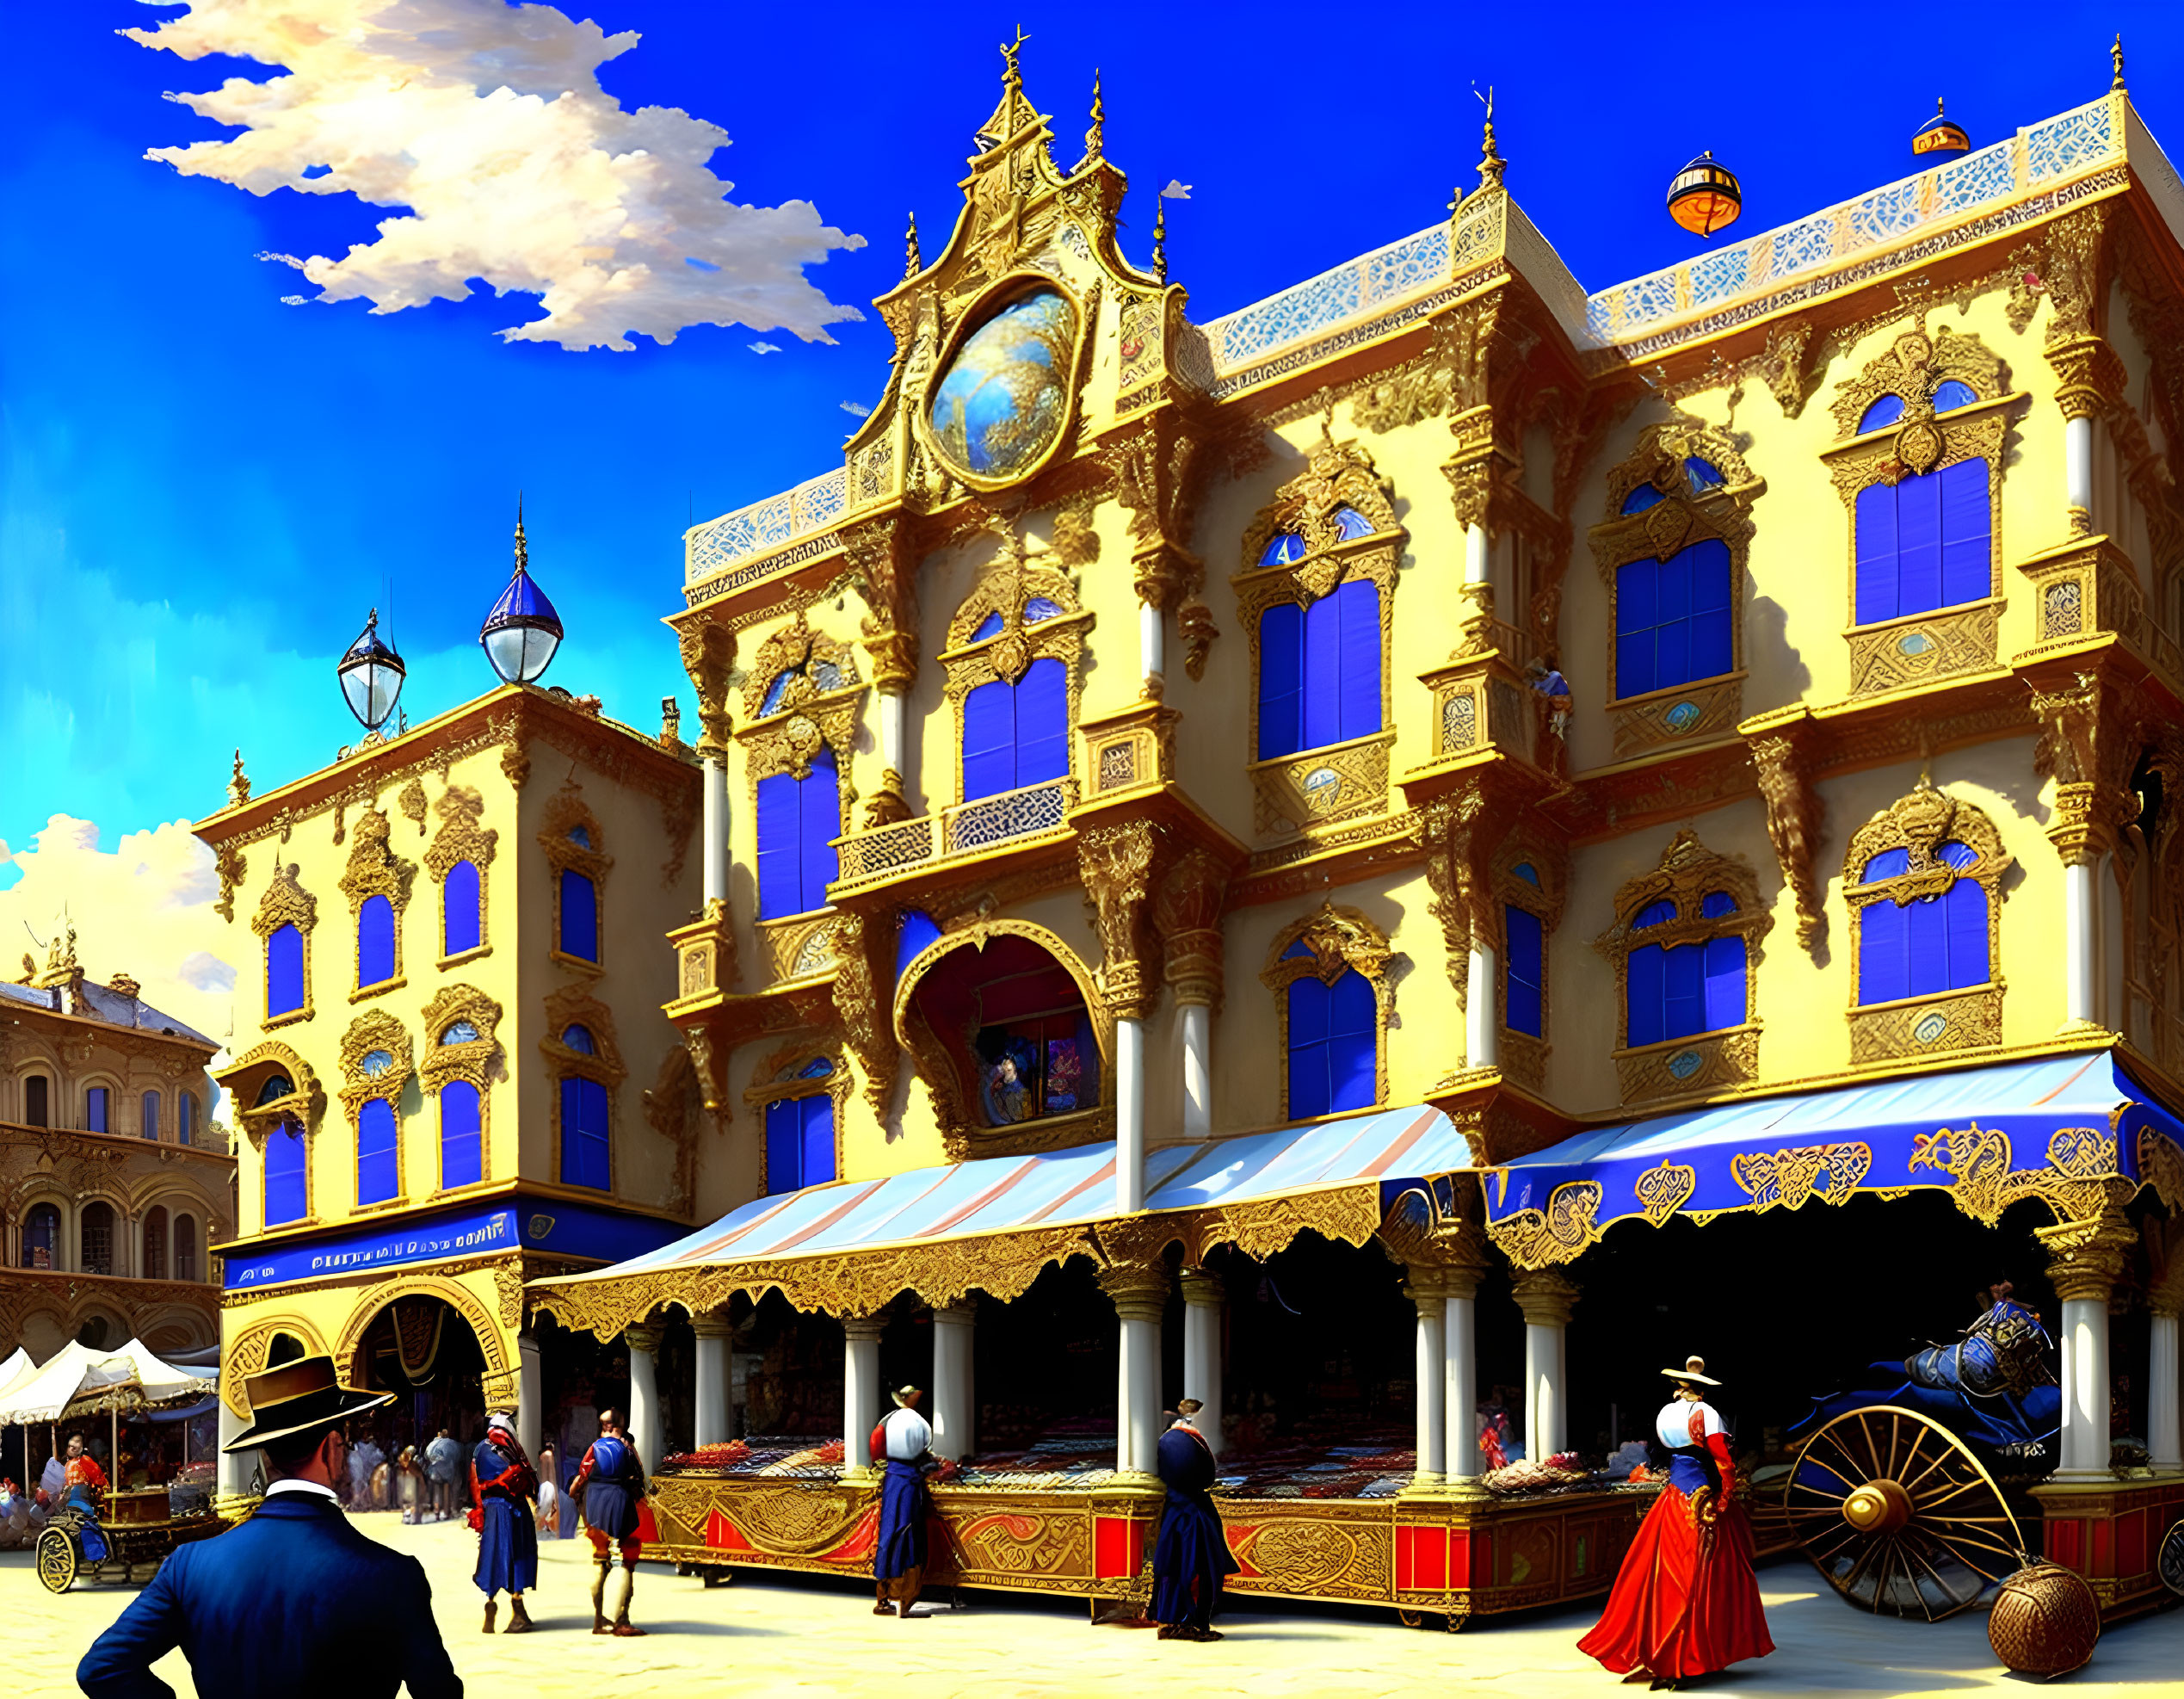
579	915
1967	555
185	1118
1957	855
1352	523
1886	411
1307	1048
584	1156
1298	949
989	626
1285	547
1521	999
1358	608
95	1109
1672	619
374	943
1918	544
1040	610
778	819
1952	395
818	1068
1653	914
375	1140
919	930
989	740
1684	991
1353	1048
462	1148
1718	904
819	798
1704	474
1042	723
1889	864
1725	982
149	1111
579	1040
460	921
1925	544
784	1146
1926	950
1644	497
1646	979
1323	674
775	692
1281	681
818	1164
1884	943
1875	568
580	835
286	1194
1527	873
284	971
1964	914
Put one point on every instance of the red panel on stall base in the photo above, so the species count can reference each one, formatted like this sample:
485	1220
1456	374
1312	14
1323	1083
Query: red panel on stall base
2131	1544
721	1534
1117	1548
1421	1559
863	1540
2103	1561
1240	1537
1460	1556
2065	1541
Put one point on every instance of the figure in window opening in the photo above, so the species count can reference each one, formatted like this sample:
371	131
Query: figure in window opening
1011	1076
1553	690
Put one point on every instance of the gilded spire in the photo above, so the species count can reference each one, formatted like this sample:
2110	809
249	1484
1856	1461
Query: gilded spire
912	263
1160	239
1096	139
1491	163
522	548
1012	77
2115	55
238	784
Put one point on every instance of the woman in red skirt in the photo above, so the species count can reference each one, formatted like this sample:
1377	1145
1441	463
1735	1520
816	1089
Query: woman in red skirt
1686	1601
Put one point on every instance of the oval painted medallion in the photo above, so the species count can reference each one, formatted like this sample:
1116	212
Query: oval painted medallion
1004	396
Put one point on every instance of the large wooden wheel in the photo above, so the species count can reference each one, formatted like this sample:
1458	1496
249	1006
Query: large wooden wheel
1898	1515
56	1559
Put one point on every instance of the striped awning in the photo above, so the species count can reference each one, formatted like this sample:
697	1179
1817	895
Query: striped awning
1036	1209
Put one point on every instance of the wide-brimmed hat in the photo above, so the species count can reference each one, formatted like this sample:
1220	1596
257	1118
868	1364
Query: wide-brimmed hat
1695	1369
297	1398
906	1395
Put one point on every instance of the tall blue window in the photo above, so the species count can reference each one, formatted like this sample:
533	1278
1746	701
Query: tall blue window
579	915
1932	943
286	1195
1319	671
151	1114
1525	977
1923	542
1015	735
94	1102
799	1142
799	820
1672	619
375	1150
284	971
462	1147
186	1117
1687	989
1334	1045
585	1152
460	920
374	943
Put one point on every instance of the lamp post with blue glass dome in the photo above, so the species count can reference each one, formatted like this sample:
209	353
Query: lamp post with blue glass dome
371	675
522	633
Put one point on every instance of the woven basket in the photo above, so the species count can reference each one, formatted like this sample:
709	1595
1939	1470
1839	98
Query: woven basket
2044	1622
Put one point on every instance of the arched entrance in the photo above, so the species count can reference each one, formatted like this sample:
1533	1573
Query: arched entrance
443	1364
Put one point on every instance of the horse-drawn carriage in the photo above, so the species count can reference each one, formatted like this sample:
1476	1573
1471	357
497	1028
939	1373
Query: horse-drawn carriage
137	1531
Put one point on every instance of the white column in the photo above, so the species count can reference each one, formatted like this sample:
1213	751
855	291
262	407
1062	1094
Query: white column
1477	556
712	787
1140	1296
133	1262
1197	1075
1202	1296
1546	1300
860	1394
2078	463
893	702
2080	909
2164	1429
643	1393
1153	641
955	1410
710	1423
2085	1388
1482	1010
1459	1345
530	1401
1427	1291
1129	1115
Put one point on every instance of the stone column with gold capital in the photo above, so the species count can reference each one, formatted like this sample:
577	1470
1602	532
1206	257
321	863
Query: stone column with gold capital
954	1402
1116	865
2084	1260
1187	918
645	1426
1203	1296
1459	1345
709	657
1428	1290
1546	1299
710	1424
860	1398
1139	1291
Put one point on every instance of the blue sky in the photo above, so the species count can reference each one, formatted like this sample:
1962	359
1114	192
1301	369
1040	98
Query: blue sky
202	490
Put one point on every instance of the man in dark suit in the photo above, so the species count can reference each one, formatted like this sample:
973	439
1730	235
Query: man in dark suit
293	1601
1191	1557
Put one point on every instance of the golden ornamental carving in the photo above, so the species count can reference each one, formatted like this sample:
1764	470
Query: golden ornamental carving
864	970
2081	1162
1010	591
1309	506
1450	833
1688	873
495	1343
1788	1178
233	868
508	1292
1186	918
2089	739
244	1080
1656	462
286	903
247	1353
378	1059
1912	368
707	651
1115	863
673	1109
1421	1234
2086	1256
575	1005
2076	277
1546	1296
1451	373
375	870
1335	940
2160	1165
803	664
1663	1190
1349	1214
1538	1238
447	1055
462	837
1794	814
515	765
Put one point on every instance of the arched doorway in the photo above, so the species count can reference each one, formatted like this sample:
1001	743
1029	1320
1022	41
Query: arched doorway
428	1353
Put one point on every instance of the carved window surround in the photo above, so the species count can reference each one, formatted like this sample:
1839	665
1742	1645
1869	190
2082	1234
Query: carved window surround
1524	1056
787	741
374	1032
779	1079
1481	702
1685	712
286	903
478	1061
573	1005
1917	648
1969	1017
969	662
1131	749
566	811
461	838
1699	1062
244	1077
798	946
375	870
1338	940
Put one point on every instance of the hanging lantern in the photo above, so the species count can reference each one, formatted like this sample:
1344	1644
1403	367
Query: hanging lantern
1704	196
522	631
371	675
1939	135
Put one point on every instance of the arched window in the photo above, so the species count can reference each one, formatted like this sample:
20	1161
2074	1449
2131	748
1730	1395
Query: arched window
287	1192
1016	734
462	1145
460	930
185	1247
42	1237
37	1100
575	851
96	1229
155	1244
579	915
284	971
276	1086
149	1108
1329	973
1319	671
1924	542
1672	619
800	1129
1524	999
378	1168
1528	885
96	1103
1922	944
1679	991
374	943
186	1117
799	820
586	1153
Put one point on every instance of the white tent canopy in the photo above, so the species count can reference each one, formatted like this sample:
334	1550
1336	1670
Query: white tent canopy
74	1370
15	1369
162	1383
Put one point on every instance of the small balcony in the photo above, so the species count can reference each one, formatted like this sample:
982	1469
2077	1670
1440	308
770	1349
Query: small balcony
963	832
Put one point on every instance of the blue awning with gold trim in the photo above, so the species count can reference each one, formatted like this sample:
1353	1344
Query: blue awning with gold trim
2060	1129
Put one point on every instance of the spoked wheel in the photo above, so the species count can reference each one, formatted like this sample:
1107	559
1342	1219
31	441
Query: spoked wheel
56	1559
2170	1562
1898	1515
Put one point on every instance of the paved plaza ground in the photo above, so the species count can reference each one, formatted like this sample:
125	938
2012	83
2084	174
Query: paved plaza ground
800	1636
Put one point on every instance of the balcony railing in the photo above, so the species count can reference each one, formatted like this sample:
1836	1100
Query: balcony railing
961	830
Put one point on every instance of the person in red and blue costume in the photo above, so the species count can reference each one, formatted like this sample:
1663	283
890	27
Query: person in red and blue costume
610	1485
1686	1601
903	1442
1191	1555
502	1479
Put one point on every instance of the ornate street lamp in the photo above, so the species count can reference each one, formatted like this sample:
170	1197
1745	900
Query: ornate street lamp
371	675
1705	196
522	631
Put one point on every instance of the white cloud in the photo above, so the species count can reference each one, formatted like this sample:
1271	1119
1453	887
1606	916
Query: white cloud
765	348
857	408
487	122
145	909
1177	189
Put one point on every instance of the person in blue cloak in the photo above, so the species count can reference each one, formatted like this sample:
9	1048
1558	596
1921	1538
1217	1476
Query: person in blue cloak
905	1439
508	1538
1191	1554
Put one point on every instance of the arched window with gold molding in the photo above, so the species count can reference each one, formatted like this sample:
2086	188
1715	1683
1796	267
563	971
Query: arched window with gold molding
575	851
1328	974
377	884
802	699
800	1092
378	1062
1014	662
459	857
1528	891
285	918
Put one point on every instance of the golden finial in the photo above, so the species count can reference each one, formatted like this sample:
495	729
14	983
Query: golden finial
238	785
912	264
2115	55
522	547
1160	239
1491	163
1012	78
1095	137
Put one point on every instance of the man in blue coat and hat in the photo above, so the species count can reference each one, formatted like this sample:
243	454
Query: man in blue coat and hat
293	1601
1191	1554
